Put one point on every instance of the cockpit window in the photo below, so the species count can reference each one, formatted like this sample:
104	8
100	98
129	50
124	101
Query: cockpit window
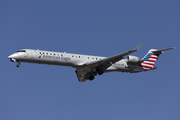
22	51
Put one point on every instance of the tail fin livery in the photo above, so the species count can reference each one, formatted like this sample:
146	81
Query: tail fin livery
151	57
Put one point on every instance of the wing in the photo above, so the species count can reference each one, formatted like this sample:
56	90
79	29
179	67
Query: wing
91	69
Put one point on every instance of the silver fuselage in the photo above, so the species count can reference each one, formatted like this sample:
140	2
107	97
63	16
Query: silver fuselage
88	66
69	59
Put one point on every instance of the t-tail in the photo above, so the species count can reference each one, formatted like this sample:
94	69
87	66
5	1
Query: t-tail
151	57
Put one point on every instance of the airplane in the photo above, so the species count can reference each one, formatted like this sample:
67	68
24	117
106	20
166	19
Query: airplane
88	66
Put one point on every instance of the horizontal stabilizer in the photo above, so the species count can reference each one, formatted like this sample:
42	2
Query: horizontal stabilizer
161	51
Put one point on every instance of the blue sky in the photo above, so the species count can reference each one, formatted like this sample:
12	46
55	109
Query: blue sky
103	28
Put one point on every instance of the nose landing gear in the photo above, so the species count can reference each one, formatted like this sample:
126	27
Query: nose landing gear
18	65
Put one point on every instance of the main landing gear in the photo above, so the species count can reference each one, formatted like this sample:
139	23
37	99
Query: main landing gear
91	78
100	72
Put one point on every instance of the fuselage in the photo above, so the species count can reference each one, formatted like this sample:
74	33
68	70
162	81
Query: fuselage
68	59
88	66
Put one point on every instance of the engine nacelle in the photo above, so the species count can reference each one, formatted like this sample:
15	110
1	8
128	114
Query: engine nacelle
133	60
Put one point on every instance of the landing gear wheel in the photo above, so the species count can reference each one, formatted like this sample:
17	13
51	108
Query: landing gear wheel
100	72
18	65
91	78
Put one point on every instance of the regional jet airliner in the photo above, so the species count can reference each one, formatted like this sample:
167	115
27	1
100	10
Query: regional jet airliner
88	66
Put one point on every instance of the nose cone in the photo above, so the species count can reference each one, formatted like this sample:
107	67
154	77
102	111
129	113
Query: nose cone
13	56
10	57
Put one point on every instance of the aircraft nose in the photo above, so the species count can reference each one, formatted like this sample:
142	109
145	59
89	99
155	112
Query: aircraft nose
12	56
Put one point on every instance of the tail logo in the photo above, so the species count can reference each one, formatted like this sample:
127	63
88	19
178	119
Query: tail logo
149	60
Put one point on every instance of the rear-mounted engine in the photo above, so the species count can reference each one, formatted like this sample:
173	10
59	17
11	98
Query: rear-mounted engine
133	60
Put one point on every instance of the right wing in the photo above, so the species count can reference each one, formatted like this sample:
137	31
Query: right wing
91	69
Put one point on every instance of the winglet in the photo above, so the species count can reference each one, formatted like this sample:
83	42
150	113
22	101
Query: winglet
135	49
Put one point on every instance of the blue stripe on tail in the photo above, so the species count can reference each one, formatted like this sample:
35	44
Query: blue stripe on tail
146	58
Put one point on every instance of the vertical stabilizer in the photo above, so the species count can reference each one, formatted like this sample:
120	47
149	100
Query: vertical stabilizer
150	59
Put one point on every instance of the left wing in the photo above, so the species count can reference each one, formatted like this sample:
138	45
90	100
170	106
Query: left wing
91	69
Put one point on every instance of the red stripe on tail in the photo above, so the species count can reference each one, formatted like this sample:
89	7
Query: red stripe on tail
146	67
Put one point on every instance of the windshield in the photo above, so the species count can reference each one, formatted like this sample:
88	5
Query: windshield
22	51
